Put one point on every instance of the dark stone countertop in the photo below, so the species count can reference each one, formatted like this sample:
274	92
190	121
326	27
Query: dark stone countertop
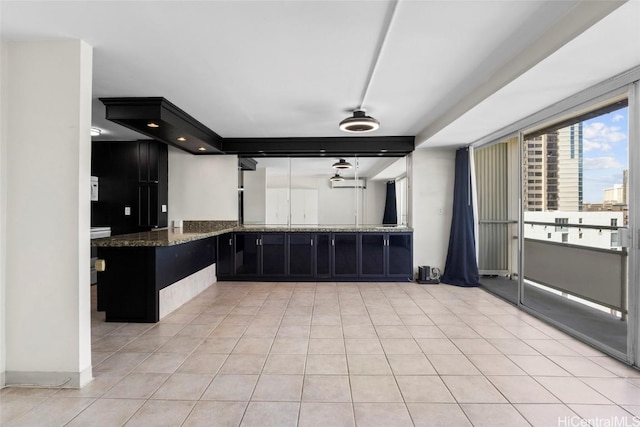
196	230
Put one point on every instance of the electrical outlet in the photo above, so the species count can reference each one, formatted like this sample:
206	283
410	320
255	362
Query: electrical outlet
127	210
164	208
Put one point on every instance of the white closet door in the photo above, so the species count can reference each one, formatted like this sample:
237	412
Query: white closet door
277	206
304	206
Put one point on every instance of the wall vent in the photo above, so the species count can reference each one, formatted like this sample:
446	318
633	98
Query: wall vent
349	183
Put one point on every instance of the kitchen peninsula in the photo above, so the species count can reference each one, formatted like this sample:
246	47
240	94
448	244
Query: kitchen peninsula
148	275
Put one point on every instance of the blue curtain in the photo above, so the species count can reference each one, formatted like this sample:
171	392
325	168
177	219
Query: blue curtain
390	210
461	268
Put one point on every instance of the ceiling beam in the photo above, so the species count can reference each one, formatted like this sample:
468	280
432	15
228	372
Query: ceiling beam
390	146
173	124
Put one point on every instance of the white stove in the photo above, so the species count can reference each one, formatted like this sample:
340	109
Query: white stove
98	232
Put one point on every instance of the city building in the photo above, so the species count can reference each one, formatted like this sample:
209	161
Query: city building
553	174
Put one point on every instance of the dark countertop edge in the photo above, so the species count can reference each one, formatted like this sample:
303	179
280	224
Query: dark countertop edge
138	240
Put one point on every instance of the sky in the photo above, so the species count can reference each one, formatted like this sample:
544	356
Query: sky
605	153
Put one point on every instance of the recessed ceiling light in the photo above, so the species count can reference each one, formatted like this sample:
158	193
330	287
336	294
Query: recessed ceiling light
96	132
181	138
202	149
153	125
359	123
342	164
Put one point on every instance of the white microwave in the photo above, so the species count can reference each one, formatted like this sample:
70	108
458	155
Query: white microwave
94	188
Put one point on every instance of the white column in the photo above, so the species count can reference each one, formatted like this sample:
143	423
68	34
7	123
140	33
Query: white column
3	208
48	163
433	175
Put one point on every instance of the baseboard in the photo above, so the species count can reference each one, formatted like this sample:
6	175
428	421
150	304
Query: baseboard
2	379
48	379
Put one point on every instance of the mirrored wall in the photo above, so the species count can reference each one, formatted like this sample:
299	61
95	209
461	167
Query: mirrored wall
325	191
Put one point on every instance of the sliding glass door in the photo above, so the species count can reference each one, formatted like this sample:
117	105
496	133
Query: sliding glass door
575	204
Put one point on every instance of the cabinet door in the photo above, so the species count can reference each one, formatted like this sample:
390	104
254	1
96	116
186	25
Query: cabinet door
152	184
345	255
224	266
301	251
273	254
148	209
372	250
323	255
400	255
246	254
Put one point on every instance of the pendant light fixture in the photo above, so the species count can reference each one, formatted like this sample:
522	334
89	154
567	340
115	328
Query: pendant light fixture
336	178
359	123
342	164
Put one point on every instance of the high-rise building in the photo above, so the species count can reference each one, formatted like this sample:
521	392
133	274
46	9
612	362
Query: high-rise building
553	170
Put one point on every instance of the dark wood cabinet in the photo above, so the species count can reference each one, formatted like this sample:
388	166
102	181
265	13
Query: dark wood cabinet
133	185
129	288
387	255
323	255
246	254
225	265
373	256
400	256
273	251
345	255
260	254
303	256
153	174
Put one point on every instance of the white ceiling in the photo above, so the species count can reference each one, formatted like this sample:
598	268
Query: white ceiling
449	72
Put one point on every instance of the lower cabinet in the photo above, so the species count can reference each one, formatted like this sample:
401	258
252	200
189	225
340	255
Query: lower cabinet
260	254
273	254
300	256
387	255
226	256
373	247
399	262
345	255
323	256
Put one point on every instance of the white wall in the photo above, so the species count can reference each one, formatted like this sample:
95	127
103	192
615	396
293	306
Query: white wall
202	187
432	193
3	206
338	205
255	196
48	160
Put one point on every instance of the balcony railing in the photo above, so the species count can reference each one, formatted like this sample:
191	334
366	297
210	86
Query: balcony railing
598	275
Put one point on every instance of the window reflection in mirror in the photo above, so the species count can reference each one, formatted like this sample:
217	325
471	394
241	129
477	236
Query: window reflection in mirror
300	192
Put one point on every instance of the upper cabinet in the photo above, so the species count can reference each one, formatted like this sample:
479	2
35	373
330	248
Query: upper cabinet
133	185
153	174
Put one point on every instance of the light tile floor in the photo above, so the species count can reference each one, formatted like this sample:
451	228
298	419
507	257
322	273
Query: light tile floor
337	354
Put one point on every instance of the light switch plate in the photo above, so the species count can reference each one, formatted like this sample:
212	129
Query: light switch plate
164	208
127	210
